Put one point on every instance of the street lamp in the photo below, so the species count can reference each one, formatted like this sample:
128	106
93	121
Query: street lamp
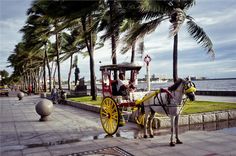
147	60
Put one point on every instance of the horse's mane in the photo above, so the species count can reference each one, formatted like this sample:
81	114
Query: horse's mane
175	85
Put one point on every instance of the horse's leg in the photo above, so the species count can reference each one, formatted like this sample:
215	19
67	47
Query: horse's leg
177	130
150	124
145	123
172	131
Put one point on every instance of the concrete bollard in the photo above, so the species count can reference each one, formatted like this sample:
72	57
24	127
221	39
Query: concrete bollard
44	108
20	95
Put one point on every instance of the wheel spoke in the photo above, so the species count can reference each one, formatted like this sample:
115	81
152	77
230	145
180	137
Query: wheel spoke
104	114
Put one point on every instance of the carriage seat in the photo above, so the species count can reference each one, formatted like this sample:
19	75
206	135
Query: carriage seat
114	88
137	95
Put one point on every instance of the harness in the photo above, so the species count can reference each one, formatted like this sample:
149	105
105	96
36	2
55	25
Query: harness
164	106
161	103
189	87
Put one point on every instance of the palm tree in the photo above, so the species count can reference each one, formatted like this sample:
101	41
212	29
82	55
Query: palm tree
114	30
132	18
88	13
55	25
25	64
115	21
175	12
36	33
72	44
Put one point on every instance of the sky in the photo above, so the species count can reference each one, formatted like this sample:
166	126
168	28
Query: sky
216	17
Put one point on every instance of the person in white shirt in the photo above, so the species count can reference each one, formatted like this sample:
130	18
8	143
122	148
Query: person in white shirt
123	86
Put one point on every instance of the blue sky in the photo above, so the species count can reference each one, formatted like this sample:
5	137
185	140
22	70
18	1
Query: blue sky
216	17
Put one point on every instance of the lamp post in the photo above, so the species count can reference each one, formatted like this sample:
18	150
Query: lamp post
148	59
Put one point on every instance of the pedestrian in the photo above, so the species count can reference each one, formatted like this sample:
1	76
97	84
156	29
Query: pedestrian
54	95
29	90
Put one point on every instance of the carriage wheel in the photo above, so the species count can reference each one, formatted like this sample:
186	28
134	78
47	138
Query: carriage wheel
109	115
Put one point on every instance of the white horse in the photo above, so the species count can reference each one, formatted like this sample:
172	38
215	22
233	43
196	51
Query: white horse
170	104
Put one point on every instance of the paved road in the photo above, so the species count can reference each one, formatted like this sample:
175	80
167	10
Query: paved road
74	131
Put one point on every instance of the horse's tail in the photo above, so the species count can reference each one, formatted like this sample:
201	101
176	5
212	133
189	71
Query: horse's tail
141	114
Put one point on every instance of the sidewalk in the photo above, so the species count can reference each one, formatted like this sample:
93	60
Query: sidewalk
73	131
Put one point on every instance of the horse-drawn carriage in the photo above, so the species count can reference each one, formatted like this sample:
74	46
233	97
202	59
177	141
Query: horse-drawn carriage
165	101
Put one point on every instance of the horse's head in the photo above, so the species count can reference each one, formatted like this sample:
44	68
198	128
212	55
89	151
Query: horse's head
186	87
189	89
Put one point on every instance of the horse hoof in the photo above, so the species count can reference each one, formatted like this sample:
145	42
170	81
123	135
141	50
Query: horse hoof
172	144
151	136
178	141
145	136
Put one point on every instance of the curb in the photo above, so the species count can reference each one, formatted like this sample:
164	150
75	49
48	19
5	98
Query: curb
84	106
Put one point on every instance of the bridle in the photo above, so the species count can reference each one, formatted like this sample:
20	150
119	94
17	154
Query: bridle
189	87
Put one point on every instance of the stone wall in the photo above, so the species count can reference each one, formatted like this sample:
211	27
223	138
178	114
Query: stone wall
200	118
163	122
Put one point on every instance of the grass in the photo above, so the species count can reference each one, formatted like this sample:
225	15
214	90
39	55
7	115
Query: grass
189	108
87	99
206	106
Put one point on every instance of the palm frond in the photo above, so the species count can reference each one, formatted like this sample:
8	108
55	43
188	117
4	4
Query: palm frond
157	6
141	47
201	37
139	32
186	4
177	18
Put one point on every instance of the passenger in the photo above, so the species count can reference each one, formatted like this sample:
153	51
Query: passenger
123	86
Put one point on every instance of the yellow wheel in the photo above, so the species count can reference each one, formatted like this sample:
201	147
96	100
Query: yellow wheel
109	115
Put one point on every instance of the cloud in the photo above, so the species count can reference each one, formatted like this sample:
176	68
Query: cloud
217	19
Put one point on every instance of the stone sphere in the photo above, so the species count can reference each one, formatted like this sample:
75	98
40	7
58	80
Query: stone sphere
20	95
44	108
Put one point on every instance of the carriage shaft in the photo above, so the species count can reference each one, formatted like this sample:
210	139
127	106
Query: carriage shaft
137	102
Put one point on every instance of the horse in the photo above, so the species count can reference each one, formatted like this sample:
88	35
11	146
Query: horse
169	103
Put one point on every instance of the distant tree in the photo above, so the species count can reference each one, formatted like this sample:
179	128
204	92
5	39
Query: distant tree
4	73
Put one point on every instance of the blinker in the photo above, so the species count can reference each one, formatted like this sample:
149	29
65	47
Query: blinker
191	90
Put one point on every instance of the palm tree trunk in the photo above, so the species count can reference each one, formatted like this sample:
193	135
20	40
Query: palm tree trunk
92	69
37	80
132	53
175	58
113	37
92	76
54	75
40	78
113	47
44	76
132	59
90	47
69	74
49	70
58	60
